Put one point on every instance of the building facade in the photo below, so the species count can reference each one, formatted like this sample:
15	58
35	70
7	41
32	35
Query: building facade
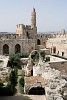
58	44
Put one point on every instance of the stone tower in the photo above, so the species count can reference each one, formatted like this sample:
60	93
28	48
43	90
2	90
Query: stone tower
33	18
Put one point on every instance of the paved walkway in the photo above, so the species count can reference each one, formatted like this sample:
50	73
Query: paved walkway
37	97
22	97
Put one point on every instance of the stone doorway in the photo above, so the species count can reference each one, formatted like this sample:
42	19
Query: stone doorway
54	50
38	42
5	49
37	91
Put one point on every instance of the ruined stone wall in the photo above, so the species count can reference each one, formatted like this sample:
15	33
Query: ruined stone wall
61	66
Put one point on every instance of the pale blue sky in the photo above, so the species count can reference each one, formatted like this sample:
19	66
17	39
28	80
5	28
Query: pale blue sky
51	14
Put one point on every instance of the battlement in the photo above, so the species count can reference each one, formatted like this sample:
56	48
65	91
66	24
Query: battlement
20	26
28	27
9	36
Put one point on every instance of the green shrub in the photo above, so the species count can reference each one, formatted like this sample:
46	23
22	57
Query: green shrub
42	54
10	88
21	84
1	83
14	60
7	90
21	81
13	76
1	61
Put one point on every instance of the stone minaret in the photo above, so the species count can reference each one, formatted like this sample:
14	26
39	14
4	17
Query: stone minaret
33	18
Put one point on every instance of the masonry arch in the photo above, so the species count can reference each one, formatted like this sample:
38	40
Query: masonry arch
17	48
5	49
38	42
36	91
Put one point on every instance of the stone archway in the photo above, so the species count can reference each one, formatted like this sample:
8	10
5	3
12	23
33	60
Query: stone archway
37	91
17	48
38	42
5	49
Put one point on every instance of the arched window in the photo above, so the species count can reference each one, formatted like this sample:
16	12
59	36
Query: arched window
17	48
5	49
38	42
27	35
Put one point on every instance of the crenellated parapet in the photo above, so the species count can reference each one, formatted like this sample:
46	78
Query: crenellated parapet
9	36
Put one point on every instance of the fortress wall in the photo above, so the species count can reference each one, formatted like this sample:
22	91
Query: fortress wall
25	45
10	36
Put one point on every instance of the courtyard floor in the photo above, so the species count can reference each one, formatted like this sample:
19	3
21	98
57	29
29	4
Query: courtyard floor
24	97
37	97
20	97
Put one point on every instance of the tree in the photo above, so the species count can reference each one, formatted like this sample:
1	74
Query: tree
21	84
13	77
14	60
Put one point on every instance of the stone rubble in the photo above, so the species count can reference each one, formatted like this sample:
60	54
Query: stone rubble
54	84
